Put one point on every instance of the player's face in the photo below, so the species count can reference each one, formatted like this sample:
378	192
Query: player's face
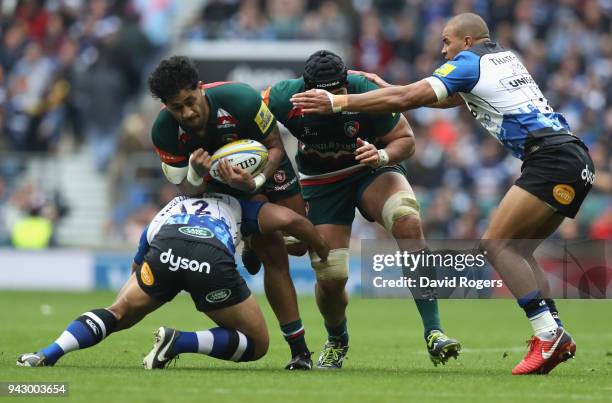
452	44
188	107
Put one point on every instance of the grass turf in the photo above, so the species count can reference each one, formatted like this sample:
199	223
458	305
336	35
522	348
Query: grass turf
387	360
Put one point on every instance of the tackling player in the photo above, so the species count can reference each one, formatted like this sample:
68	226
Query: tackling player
189	245
557	171
196	120
352	161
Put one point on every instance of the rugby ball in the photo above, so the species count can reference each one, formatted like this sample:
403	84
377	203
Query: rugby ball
249	155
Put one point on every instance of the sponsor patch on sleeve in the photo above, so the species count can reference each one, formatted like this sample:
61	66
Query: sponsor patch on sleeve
264	118
444	70
170	158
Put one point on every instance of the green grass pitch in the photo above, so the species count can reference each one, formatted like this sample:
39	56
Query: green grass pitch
387	360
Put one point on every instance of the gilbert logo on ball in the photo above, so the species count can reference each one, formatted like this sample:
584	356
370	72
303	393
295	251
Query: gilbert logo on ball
249	155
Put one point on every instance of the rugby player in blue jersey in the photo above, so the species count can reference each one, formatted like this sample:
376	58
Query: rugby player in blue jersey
190	245
557	171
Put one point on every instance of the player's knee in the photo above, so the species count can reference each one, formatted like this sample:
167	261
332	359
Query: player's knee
297	249
400	205
334	269
407	227
270	249
262	343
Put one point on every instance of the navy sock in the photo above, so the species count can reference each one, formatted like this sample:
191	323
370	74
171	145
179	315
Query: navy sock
225	344
87	330
554	311
338	332
533	303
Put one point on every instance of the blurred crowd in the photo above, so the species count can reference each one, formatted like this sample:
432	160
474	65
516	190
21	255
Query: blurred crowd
75	66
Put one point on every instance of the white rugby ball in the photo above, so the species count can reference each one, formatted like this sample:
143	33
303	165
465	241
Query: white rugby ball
249	155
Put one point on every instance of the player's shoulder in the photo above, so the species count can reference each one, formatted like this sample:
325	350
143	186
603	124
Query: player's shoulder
234	97
358	84
286	88
164	127
228	89
481	49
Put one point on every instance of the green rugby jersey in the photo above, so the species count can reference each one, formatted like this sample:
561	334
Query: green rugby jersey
326	144
236	112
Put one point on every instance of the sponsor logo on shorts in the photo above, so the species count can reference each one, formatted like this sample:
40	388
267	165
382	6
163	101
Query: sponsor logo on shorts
178	262
146	275
214	297
564	194
351	128
197	232
587	176
280	176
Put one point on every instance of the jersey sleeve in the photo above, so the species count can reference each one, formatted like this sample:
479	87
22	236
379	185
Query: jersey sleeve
164	135
460	74
277	97
252	112
143	247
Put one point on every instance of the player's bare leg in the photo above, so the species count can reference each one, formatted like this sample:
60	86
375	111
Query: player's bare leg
517	217
332	298
528	247
131	305
280	292
295	203
405	226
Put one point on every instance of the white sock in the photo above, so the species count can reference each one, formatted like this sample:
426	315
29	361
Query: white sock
544	325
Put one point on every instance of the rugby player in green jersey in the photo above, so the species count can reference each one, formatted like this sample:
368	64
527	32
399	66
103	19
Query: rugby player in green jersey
349	161
198	119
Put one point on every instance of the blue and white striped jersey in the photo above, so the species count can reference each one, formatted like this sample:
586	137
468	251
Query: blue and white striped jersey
502	96
213	215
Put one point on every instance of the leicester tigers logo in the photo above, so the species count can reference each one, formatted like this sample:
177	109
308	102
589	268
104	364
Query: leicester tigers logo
351	128
279	176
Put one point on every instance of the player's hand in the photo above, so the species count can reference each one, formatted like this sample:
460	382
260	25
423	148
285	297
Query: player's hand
321	249
367	154
375	78
200	162
236	177
314	101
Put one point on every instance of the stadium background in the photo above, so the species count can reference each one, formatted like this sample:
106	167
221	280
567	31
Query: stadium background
78	170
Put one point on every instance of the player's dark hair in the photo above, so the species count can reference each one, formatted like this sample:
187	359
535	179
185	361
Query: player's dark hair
171	76
325	70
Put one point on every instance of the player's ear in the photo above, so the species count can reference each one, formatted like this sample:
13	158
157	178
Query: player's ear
468	41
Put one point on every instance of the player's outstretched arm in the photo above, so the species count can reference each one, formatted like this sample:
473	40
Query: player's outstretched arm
390	99
273	217
450	102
